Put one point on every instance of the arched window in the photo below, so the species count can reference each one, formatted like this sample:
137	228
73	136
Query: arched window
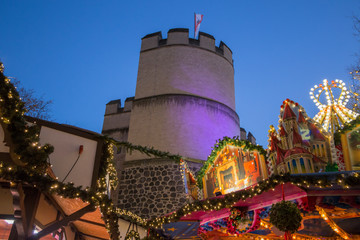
302	165
289	167
318	150
310	167
294	166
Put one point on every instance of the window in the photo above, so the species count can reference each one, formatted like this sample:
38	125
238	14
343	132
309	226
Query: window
310	167
294	166
302	165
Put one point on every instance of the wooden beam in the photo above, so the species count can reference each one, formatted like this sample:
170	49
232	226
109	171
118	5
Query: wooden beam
31	203
18	204
91	236
25	203
63	222
13	233
49	198
91	222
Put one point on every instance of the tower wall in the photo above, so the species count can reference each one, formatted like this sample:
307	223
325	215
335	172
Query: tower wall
185	97
185	66
184	102
180	124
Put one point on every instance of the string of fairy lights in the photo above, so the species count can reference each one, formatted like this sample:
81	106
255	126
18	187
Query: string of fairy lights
31	165
332	224
219	146
345	181
354	90
30	161
334	114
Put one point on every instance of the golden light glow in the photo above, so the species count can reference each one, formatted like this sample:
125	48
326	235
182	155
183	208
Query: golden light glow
334	113
332	224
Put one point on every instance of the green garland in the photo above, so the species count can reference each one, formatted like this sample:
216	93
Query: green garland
347	127
24	138
285	216
149	151
31	159
220	144
228	200
132	235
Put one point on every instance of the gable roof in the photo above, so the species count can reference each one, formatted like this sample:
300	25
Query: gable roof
288	113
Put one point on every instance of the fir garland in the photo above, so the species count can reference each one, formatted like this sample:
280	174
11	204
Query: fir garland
347	127
149	151
221	144
286	216
228	200
23	138
32	160
350	125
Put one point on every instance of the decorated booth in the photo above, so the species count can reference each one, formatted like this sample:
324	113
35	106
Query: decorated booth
305	186
233	165
55	179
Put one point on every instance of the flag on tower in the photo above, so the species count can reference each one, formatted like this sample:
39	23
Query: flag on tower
198	19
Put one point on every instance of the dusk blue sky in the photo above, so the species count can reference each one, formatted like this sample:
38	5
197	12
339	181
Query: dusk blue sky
82	54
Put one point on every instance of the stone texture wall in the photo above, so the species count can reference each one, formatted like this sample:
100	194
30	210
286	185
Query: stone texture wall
151	188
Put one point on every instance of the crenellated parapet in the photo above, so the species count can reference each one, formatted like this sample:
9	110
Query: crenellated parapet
180	36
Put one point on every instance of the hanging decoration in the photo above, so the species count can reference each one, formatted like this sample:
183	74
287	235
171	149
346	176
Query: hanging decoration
333	114
285	216
132	235
239	222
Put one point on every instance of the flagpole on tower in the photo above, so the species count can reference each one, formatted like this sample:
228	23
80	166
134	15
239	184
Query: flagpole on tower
198	20
194	25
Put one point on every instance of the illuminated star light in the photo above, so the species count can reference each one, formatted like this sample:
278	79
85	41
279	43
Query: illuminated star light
333	114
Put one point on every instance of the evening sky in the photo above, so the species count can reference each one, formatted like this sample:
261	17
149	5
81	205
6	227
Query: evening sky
82	54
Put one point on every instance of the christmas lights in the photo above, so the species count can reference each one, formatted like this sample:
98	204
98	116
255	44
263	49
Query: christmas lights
333	114
332	224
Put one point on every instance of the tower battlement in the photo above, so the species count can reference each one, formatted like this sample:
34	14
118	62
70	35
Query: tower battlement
180	36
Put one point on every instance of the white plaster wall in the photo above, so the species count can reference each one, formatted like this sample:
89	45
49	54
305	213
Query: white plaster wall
66	149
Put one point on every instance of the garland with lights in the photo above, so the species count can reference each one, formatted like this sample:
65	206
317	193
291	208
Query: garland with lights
228	200
149	151
220	144
31	160
347	127
239	222
332	224
23	138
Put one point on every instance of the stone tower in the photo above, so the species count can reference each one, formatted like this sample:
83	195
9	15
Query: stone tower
184	102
